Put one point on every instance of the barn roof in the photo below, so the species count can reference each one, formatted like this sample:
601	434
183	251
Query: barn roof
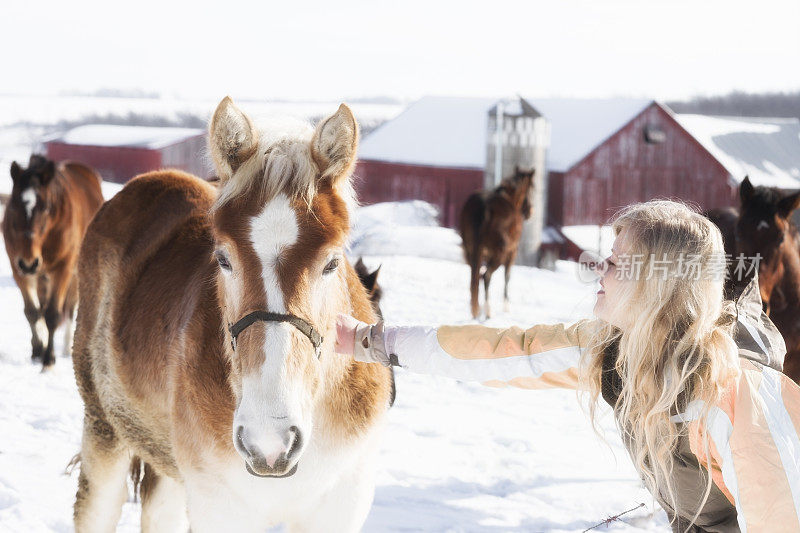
125	136
451	132
436	131
766	149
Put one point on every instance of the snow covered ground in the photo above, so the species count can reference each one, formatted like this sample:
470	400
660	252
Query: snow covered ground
456	456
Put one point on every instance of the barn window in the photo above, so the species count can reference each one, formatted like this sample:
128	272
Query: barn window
653	134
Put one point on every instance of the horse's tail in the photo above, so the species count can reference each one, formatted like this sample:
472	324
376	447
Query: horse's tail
472	217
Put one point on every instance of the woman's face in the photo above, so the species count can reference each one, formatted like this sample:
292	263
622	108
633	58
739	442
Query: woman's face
612	281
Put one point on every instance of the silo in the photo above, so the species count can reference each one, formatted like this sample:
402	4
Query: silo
518	135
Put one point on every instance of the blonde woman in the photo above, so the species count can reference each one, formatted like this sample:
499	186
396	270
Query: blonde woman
709	421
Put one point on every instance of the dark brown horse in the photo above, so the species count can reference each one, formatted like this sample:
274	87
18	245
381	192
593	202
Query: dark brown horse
736	278
765	229
490	227
48	212
370	282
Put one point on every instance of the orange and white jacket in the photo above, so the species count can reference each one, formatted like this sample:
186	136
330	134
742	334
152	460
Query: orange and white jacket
754	434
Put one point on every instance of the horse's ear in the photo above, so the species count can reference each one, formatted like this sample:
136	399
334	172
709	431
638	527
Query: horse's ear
232	139
16	171
371	281
335	143
46	173
746	190
788	204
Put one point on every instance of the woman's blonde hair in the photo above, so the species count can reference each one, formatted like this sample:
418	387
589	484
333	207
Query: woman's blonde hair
679	347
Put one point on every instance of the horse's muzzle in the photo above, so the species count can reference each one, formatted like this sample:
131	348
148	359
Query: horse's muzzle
28	269
276	462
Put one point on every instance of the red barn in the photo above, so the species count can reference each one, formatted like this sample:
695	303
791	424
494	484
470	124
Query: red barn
649	156
435	151
121	152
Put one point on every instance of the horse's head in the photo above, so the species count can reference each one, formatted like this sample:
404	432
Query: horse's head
763	229
523	182
280	224
26	221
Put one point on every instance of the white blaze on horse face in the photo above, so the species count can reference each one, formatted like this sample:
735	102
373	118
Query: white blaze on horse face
273	400
29	201
763	225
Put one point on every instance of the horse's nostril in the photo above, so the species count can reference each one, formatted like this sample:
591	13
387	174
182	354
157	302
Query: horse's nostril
21	264
35	264
296	439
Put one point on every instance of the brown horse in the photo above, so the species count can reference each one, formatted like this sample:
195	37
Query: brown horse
490	227
765	228
48	212
205	340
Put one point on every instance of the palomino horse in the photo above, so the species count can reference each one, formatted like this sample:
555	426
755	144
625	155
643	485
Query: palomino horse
490	227
44	223
206	334
765	228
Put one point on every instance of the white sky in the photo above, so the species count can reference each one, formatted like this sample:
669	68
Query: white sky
407	48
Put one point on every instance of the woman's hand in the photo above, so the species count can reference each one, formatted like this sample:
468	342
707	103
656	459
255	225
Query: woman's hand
363	341
346	327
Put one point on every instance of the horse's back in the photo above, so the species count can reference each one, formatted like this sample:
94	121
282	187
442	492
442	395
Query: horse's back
472	217
139	267
83	184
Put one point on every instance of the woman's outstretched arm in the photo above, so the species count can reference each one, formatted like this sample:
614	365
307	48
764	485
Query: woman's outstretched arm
543	356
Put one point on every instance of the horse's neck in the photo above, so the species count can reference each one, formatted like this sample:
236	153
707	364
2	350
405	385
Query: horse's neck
790	261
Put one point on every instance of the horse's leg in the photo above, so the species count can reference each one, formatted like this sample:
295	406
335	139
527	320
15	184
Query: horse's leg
474	288
53	309
102	487
70	304
507	272
491	265
163	503
30	297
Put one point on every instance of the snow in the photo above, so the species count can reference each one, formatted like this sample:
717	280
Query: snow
765	149
455	457
451	132
109	188
579	125
437	131
129	136
591	238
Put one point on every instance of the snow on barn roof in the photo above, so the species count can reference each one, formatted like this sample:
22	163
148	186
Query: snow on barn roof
766	149
451	132
578	125
127	136
436	131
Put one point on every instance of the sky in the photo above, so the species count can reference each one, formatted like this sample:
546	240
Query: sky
661	49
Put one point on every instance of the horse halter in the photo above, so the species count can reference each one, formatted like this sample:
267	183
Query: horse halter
302	325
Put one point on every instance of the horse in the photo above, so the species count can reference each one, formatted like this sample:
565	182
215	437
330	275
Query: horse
47	214
736	279
205	340
765	230
490	226
370	282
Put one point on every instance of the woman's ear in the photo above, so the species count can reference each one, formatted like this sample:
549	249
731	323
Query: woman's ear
335	144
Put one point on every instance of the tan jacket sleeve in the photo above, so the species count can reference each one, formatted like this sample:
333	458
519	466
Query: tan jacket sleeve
542	356
754	448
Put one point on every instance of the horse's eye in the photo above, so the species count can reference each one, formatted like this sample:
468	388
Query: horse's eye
223	261
332	265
